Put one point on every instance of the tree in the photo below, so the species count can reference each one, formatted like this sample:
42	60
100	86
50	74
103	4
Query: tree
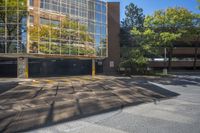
170	25
135	61
138	57
12	11
134	17
192	36
72	36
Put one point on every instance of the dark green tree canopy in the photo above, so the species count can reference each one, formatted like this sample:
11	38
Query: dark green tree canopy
134	17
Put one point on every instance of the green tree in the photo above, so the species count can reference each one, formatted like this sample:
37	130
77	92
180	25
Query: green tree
162	30
192	36
12	11
136	62
72	35
170	25
134	17
138	57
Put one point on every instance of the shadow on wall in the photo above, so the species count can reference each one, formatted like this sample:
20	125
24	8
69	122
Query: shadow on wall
25	108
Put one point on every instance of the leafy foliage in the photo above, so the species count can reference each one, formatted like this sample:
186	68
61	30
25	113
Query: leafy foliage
12	11
134	18
163	29
135	61
73	37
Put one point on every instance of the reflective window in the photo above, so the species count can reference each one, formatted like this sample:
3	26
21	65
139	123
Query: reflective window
104	18
31	2
44	21
80	30
98	29
2	29
13	18
98	17
91	27
103	29
97	39
104	8
98	7
55	22
31	19
90	5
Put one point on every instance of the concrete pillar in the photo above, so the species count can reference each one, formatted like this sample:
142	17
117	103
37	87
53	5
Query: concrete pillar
22	67
93	68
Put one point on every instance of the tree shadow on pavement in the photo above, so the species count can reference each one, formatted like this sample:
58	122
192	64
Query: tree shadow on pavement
7	86
47	106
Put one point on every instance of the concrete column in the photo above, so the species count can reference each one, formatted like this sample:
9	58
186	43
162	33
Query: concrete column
22	67
93	68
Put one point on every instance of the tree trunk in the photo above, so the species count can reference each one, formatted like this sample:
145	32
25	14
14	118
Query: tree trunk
195	57
170	58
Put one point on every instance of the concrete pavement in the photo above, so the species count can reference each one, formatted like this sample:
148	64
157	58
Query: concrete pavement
177	115
101	105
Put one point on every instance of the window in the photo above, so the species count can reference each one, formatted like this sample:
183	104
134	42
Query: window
103	18
103	29
98	7
104	8
98	17
31	2
91	15
42	4
55	22
44	21
2	29
82	31
90	5
97	39
31	19
98	29
91	27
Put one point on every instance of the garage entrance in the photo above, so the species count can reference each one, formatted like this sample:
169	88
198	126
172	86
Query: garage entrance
8	67
61	67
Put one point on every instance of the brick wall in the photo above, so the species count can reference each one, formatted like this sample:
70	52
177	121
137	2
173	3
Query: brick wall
110	64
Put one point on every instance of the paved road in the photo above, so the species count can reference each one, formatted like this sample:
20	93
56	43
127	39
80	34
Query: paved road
178	115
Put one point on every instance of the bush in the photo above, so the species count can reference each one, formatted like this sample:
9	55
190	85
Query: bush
135	61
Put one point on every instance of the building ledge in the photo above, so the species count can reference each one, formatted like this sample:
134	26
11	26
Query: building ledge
10	55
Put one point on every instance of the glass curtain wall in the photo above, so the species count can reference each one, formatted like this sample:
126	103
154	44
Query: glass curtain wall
13	36
68	27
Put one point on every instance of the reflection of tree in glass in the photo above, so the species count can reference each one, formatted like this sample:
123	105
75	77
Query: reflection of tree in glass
12	13
72	36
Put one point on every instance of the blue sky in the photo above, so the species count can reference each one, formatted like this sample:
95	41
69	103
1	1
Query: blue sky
149	6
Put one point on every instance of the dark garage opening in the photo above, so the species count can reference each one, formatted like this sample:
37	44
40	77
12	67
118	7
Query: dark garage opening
61	67
8	67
